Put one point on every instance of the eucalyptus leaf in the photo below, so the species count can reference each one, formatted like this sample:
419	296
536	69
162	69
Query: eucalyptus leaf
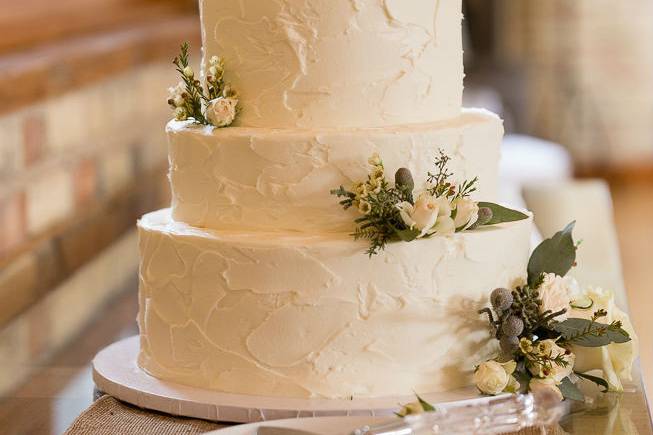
585	333
555	255
426	405
570	391
598	381
407	235
501	214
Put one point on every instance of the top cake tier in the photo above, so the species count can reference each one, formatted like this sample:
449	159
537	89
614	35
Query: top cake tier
338	63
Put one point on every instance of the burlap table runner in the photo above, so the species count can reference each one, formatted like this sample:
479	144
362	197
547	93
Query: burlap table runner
108	416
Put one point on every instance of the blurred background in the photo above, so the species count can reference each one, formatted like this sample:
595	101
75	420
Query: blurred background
82	155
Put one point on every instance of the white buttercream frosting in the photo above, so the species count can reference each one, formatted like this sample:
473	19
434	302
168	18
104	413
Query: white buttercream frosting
338	63
309	315
279	179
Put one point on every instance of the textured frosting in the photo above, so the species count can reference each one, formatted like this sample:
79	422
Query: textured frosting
264	179
298	315
338	63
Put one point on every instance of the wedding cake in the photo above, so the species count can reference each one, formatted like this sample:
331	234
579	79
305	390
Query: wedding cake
251	282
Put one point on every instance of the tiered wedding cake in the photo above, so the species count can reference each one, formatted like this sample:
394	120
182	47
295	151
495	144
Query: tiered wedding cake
251	282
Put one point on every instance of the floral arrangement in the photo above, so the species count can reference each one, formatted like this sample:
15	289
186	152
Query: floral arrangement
396	212
213	103
551	333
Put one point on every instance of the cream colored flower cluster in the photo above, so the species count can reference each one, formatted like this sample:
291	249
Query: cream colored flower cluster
375	182
548	362
215	103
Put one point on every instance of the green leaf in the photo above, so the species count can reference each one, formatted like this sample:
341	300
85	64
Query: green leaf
598	381
502	214
570	391
555	255
585	333
407	235
426	405
524	378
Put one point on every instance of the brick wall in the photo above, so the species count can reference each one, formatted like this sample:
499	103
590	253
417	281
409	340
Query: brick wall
82	156
67	154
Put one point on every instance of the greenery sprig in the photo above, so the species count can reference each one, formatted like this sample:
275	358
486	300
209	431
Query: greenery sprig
193	94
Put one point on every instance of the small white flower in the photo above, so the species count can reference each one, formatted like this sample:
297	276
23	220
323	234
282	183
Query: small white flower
377	174
548	385
214	60
361	190
176	91
429	215
188	72
554	293
492	377
180	114
364	207
221	112
550	349
466	213
213	71
375	160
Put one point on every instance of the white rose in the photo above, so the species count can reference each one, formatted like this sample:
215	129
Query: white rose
429	215
615	360
221	112
554	292
545	385
550	348
493	378
466	213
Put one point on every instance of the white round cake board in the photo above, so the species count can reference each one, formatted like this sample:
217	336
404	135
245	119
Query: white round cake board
116	373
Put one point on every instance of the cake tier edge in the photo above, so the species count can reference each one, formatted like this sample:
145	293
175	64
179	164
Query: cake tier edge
279	179
292	315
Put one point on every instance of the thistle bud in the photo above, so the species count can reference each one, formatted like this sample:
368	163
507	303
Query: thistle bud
509	344
404	178
513	326
501	299
188	72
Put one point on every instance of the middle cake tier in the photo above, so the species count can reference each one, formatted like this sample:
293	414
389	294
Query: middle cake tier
264	179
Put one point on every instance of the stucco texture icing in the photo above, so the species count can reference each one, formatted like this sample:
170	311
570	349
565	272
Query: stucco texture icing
279	179
338	63
298	315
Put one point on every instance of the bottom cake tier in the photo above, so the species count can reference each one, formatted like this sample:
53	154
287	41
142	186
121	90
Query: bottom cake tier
297	315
